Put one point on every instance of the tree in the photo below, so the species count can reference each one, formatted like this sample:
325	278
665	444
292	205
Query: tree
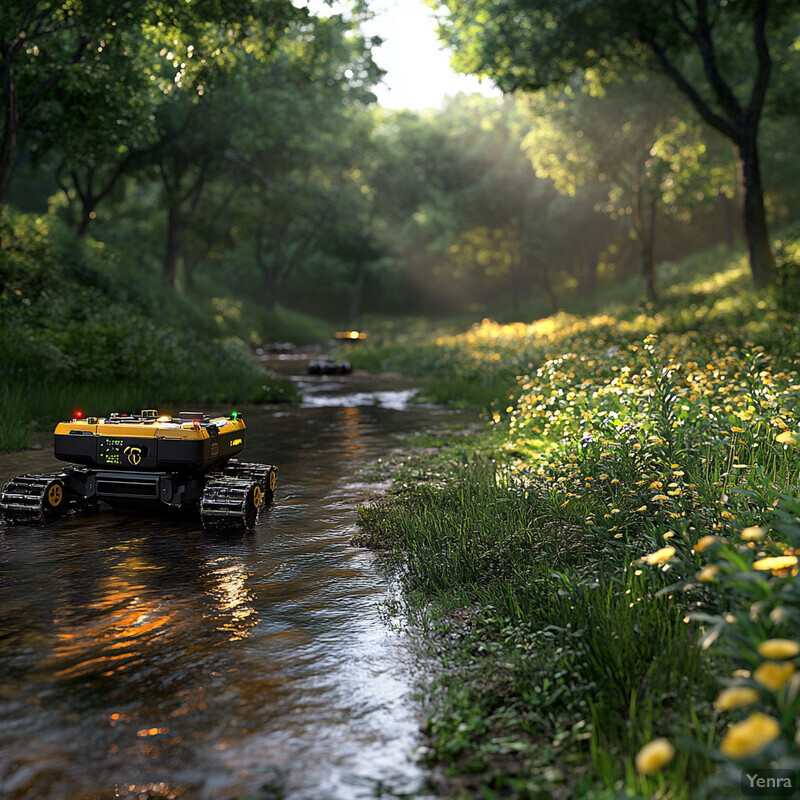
716	52
633	141
94	129
42	40
296	141
458	202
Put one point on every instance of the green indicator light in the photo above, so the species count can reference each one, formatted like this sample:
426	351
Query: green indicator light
234	415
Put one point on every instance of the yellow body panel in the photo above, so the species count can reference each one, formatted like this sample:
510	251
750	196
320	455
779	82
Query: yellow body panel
149	430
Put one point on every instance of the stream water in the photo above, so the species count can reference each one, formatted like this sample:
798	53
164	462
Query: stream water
142	657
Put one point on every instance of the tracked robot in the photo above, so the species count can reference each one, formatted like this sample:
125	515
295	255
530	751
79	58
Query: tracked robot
144	461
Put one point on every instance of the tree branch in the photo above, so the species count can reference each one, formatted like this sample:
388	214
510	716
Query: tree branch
719	86
716	121
47	83
761	81
76	182
677	5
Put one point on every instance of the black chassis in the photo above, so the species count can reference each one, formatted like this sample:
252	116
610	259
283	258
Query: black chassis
119	486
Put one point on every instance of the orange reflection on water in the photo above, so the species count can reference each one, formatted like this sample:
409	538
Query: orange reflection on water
351	434
232	597
109	633
151	732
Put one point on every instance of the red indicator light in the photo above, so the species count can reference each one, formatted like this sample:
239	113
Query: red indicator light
78	414
196	425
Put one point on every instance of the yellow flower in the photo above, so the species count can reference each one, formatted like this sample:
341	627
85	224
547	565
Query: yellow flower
660	556
753	534
776	562
774	674
705	542
778	648
654	756
736	697
751	736
788	437
707	574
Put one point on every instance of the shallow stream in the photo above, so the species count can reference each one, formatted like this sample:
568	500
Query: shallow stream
142	657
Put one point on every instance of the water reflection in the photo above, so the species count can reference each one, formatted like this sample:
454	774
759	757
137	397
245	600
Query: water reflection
109	632
396	400
146	657
232	597
351	434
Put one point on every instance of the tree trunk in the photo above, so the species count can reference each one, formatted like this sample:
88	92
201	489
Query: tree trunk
725	219
7	149
11	125
753	211
91	196
172	247
648	271
550	292
646	240
514	292
271	280
87	216
737	122
589	283
272	291
358	292
189	265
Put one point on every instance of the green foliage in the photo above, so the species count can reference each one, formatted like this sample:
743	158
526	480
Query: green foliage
43	45
787	268
542	647
75	329
205	145
628	552
719	60
530	45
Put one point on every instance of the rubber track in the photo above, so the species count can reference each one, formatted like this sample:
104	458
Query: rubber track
246	471
224	501
22	498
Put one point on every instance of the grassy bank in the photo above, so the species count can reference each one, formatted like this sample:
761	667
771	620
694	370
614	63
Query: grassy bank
81	327
606	582
479	366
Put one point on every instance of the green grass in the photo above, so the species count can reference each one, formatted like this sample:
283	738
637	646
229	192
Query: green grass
30	406
286	325
543	651
477	366
588	576
16	424
81	327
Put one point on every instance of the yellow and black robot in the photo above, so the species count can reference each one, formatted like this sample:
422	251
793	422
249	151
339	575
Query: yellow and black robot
128	460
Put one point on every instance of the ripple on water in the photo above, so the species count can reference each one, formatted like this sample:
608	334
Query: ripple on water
144	656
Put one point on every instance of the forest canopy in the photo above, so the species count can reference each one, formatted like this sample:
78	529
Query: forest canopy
244	140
